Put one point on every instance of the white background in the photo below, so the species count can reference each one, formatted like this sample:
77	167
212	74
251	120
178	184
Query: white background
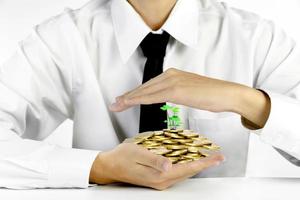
17	17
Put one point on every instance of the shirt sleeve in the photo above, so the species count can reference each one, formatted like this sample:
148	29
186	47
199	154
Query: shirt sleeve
36	96
277	72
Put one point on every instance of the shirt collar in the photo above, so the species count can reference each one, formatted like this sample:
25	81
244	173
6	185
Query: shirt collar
130	29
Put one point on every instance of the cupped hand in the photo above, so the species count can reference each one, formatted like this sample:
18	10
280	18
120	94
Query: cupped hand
130	163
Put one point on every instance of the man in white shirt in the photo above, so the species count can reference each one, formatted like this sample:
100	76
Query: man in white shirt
75	65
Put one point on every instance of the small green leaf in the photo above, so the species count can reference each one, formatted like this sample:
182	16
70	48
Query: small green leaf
173	120
175	109
163	108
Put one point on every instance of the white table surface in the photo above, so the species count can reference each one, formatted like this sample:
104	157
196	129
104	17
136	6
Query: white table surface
205	188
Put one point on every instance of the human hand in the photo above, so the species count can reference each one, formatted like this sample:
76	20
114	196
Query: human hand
182	88
204	93
130	163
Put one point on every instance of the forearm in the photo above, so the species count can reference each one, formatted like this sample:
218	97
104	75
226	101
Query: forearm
29	164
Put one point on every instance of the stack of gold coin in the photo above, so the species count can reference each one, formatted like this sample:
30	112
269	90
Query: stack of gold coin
180	146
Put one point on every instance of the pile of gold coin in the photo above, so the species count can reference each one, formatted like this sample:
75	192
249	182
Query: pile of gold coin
180	146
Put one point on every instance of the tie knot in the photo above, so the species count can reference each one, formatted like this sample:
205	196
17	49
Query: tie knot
154	45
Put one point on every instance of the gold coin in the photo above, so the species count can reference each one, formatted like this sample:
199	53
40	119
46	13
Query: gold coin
175	147
158	138
212	147
202	141
191	156
175	130
160	151
192	145
198	143
173	135
188	134
193	149
177	152
145	135
184	161
169	142
138	141
198	158
158	133
174	159
183	141
200	137
204	152
152	147
150	144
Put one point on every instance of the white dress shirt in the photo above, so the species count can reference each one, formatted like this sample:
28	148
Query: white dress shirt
75	64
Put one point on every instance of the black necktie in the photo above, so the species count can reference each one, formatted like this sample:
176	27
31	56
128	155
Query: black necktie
154	49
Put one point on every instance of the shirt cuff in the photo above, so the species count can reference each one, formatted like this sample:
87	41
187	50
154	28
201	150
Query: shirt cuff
70	167
281	128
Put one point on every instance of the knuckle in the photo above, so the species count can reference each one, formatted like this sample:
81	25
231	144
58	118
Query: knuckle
171	71
158	161
174	90
126	101
122	100
157	179
161	177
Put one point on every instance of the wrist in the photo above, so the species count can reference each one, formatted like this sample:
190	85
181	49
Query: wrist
240	99
253	105
100	172
235	94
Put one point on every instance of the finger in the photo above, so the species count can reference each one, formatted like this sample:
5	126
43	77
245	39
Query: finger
122	102
154	80
125	94
119	105
179	177
160	78
158	97
170	182
162	85
149	87
147	158
187	169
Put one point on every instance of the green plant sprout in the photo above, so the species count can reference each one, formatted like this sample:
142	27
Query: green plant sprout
174	120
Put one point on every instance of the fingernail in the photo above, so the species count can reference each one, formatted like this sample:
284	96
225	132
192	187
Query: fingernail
113	106
118	99
216	163
224	159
